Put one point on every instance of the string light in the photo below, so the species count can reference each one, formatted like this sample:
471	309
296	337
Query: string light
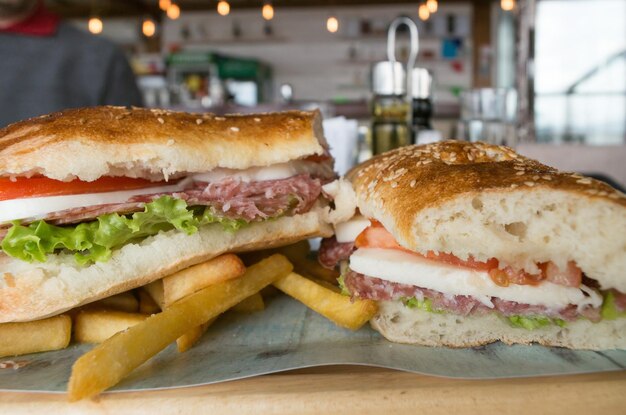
423	12
148	28
165	4
268	11
332	24
432	6
507	5
173	12
95	25
223	8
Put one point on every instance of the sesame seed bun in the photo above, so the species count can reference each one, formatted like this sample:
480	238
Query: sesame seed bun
489	202
88	143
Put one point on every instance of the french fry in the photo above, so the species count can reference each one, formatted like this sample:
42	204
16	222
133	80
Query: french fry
155	289
109	362
298	250
251	304
95	326
329	303
310	267
297	254
35	336
123	302
147	305
187	340
192	279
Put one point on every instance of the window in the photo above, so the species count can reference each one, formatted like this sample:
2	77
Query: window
580	71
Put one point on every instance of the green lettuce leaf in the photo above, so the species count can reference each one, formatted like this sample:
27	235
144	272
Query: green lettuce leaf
425	305
533	322
342	285
609	310
94	241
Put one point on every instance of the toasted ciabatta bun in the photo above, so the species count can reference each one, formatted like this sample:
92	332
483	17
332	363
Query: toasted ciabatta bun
489	202
32	291
88	143
401	324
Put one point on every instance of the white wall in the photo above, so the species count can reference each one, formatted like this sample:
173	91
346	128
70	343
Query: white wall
313	60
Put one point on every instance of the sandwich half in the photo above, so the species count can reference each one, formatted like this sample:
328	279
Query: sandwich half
97	201
465	244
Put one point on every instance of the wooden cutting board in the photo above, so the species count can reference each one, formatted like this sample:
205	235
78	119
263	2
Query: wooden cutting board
351	389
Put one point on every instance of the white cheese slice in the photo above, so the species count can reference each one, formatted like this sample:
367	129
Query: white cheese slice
405	268
38	207
348	231
253	174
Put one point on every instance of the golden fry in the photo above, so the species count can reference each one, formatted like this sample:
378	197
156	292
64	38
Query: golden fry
329	303
313	268
95	326
123	302
298	250
251	304
108	363
192	279
35	336
187	340
147	305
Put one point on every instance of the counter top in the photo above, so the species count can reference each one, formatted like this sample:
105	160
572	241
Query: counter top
352	389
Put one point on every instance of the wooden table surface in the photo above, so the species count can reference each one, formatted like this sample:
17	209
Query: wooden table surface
352	389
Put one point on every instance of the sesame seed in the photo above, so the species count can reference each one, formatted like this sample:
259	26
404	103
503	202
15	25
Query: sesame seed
394	185
170	142
220	119
546	177
603	193
519	173
584	181
513	186
235	129
257	119
535	177
199	121
161	120
427	161
413	183
529	184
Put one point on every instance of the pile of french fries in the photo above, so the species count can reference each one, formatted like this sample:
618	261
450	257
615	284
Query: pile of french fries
132	327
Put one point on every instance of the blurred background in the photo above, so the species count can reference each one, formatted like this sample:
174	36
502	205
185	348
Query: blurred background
545	76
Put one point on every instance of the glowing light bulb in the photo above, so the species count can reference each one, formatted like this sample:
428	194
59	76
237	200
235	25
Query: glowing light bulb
173	12
165	4
95	25
148	28
507	5
267	12
332	24
223	8
423	12
432	6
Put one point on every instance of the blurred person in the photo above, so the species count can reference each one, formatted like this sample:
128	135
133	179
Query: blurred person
47	65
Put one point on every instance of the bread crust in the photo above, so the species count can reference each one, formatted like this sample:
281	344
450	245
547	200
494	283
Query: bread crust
412	189
401	324
387	184
88	143
38	290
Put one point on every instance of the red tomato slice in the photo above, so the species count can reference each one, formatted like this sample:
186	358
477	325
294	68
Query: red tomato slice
571	276
42	186
376	236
